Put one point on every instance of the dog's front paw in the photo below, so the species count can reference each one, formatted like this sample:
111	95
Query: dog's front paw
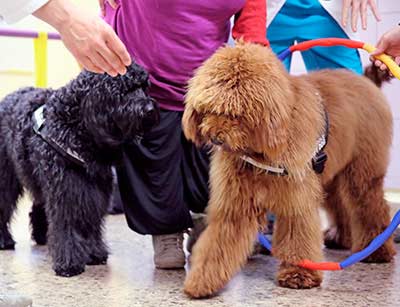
70	271
294	277
6	241
39	238
97	260
196	287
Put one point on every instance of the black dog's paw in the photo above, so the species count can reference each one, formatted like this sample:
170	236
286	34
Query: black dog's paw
39	224
6	242
69	272
39	238
97	260
7	245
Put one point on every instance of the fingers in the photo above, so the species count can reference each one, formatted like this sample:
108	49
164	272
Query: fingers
116	46
375	10
378	51
110	54
345	11
381	47
355	11
100	61
107	51
87	64
378	63
363	11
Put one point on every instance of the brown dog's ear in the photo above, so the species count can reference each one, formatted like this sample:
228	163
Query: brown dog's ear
272	137
190	124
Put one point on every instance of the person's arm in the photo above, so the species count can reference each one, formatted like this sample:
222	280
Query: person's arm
358	9
389	43
90	39
251	23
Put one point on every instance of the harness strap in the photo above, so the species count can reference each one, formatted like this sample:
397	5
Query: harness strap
318	160
39	128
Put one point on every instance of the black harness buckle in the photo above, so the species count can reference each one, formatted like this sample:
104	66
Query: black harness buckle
318	162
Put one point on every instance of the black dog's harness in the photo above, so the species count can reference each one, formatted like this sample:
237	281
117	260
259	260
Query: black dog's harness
318	160
40	129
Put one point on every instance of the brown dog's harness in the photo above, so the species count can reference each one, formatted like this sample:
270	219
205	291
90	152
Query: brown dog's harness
318	160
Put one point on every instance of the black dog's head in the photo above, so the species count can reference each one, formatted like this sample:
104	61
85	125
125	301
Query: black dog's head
115	110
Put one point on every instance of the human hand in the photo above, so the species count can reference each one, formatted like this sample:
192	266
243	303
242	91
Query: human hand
102	4
90	39
389	43
358	8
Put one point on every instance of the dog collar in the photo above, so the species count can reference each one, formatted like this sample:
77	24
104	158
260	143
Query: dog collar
279	171
39	128
318	160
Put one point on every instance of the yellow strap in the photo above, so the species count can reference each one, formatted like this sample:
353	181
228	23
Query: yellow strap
393	67
40	46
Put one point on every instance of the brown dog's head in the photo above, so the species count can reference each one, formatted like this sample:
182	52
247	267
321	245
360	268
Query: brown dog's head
241	100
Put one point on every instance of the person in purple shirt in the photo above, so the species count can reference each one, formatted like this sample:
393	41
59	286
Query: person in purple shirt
165	177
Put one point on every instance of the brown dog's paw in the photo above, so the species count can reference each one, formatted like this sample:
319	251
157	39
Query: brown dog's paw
298	278
335	239
383	254
197	288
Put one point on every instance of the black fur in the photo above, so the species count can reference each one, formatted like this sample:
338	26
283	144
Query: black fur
94	115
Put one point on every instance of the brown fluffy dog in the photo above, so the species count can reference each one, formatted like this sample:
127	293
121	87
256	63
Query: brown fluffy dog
243	100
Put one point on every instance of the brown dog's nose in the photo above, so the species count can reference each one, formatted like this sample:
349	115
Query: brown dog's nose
217	141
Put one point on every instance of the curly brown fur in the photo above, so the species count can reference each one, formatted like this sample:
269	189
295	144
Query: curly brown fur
244	102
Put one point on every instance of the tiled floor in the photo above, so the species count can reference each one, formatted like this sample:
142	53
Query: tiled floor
130	278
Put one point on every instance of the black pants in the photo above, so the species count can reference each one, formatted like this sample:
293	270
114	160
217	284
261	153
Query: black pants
163	179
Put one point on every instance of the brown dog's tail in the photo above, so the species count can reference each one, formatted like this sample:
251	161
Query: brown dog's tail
377	75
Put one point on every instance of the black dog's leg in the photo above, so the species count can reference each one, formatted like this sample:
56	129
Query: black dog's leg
98	249
10	190
39	223
99	252
73	213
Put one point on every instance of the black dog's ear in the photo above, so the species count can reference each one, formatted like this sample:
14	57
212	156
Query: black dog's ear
136	76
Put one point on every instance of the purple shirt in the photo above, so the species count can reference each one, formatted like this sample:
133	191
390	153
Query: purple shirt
171	38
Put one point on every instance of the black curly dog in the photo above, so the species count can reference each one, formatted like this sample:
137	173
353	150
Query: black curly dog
66	163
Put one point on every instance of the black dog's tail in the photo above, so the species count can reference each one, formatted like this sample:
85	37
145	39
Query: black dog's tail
377	75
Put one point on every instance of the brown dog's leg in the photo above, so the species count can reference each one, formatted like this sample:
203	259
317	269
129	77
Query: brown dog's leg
225	244
338	235
369	214
298	236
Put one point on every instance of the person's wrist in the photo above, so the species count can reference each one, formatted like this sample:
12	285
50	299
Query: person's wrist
57	13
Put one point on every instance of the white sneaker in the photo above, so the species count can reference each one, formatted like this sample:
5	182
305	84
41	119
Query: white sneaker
168	251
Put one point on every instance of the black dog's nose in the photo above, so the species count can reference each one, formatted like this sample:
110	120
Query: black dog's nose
149	110
151	115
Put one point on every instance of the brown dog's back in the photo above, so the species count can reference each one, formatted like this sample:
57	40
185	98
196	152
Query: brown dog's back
360	118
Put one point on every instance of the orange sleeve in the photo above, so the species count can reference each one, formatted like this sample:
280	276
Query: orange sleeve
251	22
